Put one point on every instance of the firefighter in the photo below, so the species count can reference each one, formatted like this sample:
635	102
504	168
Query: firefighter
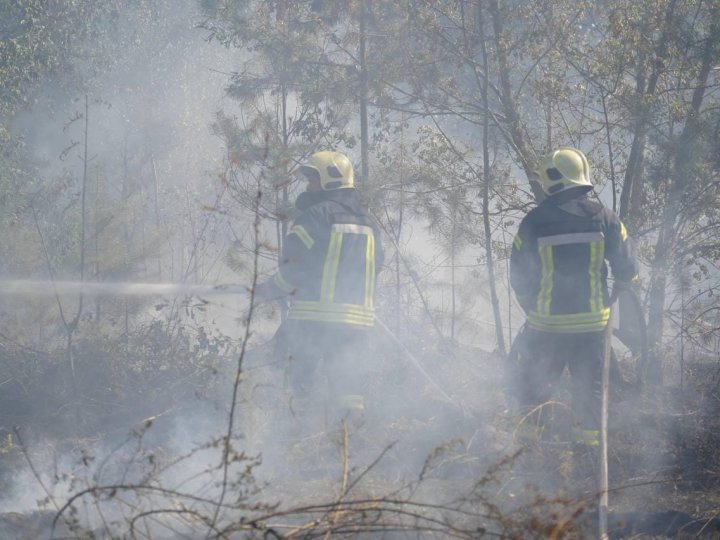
560	278
327	274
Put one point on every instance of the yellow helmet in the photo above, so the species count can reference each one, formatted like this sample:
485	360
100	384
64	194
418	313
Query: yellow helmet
334	169
562	169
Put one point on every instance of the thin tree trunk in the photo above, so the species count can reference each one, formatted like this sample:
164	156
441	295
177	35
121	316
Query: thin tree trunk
71	327
509	105
97	243
364	150
673	208
611	161
453	247
631	195
398	230
156	200
489	257
281	224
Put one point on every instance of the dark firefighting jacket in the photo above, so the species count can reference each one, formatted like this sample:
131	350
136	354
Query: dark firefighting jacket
330	260
558	269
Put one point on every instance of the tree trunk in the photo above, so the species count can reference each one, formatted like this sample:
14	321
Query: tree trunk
667	239
509	105
487	172
364	138
631	195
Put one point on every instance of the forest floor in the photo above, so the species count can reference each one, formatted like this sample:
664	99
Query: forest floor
436	432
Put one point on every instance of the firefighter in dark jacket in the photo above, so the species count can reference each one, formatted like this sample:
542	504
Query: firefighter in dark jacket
560	278
327	273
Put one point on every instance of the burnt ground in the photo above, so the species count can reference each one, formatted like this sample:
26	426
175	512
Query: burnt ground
461	454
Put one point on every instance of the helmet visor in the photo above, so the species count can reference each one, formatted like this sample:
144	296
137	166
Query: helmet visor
310	174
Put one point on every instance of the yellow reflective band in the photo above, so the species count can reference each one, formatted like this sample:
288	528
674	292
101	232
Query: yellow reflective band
345	318
312	305
544	298
597	256
588	329
332	261
570	238
623	232
579	328
282	283
561	325
351	228
593	277
517	242
370	271
309	310
303	235
569	318
575	323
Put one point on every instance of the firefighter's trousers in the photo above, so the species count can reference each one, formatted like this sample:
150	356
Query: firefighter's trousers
540	360
325	363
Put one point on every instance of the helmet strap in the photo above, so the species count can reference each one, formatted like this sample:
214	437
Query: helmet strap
537	192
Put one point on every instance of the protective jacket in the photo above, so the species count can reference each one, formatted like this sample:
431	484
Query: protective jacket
330	260
558	269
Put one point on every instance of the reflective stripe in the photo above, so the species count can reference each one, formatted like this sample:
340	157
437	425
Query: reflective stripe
569	318
517	242
584	329
370	271
320	315
303	235
332	261
544	298
572	323
623	232
597	256
570	238
593	277
282	283
308	310
350	228
331	318
600	262
312	305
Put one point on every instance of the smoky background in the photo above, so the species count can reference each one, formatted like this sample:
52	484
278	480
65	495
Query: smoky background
155	142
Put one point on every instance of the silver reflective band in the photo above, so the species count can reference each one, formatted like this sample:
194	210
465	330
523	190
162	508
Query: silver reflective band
350	228
571	238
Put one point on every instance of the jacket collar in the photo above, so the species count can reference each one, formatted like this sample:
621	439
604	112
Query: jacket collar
309	198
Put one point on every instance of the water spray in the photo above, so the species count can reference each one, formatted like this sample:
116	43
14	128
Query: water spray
28	287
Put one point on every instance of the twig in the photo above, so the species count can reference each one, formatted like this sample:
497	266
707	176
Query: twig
335	514
36	474
238	373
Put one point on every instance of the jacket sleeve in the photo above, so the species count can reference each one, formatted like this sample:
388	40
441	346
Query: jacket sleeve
525	266
299	253
619	251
